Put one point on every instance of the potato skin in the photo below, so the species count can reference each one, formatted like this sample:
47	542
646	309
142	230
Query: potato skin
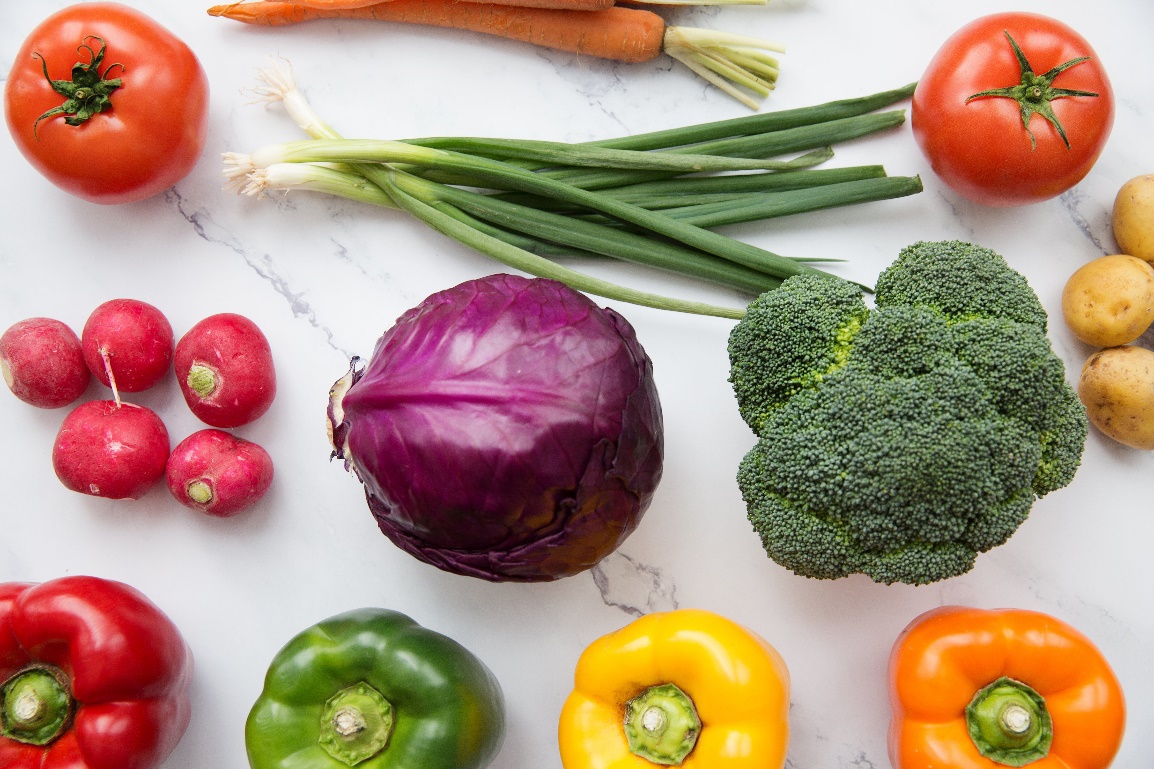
1117	388
1110	301
1134	217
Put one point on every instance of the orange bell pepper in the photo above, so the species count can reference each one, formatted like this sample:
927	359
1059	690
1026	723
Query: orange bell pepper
688	688
981	689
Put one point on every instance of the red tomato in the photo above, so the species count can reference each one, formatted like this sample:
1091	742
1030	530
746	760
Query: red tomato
981	147
150	130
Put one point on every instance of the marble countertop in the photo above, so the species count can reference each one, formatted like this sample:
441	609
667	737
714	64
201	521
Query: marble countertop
324	278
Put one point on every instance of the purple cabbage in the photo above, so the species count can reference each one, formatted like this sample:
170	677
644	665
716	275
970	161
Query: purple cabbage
506	429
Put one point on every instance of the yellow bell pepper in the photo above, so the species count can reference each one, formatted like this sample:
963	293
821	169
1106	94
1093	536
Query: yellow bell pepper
683	688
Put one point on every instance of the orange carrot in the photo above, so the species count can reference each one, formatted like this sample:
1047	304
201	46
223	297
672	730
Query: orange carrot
572	5
743	67
269	14
622	34
335	5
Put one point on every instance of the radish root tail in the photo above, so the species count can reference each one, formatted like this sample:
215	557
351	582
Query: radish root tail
106	357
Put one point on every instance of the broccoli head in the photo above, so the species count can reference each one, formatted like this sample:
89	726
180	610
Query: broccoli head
901	441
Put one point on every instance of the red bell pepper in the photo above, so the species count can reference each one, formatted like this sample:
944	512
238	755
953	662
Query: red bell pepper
92	676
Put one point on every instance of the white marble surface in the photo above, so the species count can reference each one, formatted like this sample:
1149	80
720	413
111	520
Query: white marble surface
324	278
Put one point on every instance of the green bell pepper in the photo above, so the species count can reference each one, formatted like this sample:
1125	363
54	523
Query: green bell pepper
373	689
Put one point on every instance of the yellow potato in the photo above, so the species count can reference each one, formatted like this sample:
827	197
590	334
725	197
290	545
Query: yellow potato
1110	301
1134	217
1117	388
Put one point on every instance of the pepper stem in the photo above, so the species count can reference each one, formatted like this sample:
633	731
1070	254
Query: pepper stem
662	725
1009	723
356	724
35	706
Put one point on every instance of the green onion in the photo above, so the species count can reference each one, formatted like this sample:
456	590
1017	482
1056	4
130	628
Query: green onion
561	154
519	259
604	178
650	199
752	125
689	190
367	151
315	178
815	137
700	211
592	237
743	183
714	209
763	123
576	238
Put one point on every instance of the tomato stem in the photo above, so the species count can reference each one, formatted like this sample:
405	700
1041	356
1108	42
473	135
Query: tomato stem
88	93
1035	92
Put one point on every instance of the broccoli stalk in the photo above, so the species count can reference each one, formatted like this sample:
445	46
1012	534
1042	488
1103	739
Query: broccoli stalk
901	441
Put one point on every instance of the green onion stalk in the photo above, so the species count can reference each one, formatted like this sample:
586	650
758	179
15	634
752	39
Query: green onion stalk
652	199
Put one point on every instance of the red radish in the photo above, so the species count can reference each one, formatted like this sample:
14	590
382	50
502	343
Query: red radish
225	370
136	339
110	449
217	473
42	363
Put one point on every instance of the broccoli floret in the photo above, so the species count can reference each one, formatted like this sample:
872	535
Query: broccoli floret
1027	380
902	342
1063	438
769	364
901	442
960	281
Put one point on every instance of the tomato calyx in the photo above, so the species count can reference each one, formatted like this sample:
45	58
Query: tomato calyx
1035	92
88	93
